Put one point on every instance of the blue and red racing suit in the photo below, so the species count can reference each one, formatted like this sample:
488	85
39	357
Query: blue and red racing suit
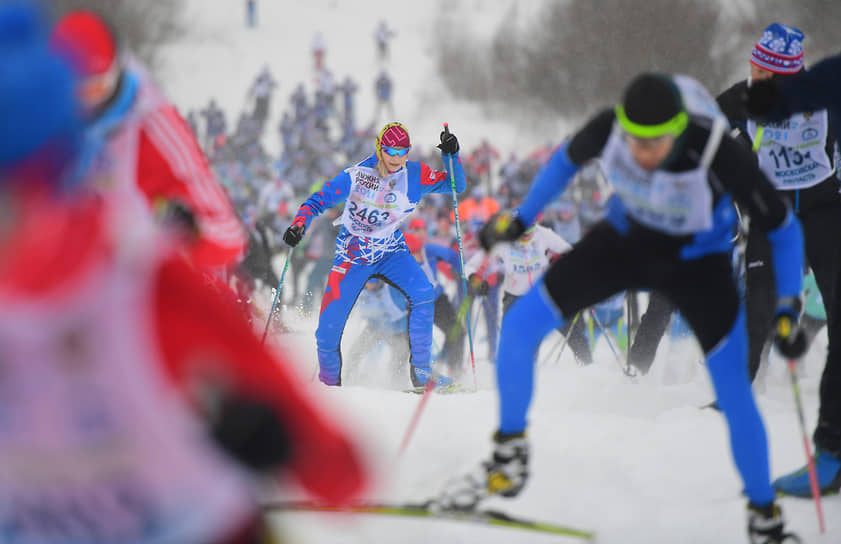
370	244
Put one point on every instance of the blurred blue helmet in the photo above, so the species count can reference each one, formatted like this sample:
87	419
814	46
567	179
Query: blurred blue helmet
38	106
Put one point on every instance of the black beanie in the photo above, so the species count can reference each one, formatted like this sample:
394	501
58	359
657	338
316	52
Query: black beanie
651	99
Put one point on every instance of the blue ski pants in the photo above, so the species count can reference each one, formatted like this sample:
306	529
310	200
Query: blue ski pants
604	263
346	280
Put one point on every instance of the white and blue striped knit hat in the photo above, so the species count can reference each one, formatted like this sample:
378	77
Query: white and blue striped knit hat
780	50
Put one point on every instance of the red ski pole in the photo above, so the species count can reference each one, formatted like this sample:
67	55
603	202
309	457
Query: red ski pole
810	461
410	430
430	384
784	330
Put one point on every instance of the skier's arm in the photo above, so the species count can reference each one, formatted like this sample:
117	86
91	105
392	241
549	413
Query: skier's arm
171	168
549	182
332	193
814	89
441	253
435	181
486	264
733	107
735	167
554	176
451	257
260	411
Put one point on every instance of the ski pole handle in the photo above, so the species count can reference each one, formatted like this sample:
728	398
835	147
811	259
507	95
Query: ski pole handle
784	327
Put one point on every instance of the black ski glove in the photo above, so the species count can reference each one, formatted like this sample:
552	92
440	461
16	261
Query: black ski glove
502	227
293	234
762	97
477	286
449	142
177	215
788	335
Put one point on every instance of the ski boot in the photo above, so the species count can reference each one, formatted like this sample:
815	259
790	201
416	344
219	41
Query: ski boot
421	375
828	469
505	474
766	526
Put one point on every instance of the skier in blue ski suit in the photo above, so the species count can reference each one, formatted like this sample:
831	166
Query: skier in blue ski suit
666	151
381	192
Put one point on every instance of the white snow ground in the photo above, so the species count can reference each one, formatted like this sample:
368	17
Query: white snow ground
637	462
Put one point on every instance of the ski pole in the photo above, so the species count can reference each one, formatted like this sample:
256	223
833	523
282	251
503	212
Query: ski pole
810	461
431	381
551	355
475	319
466	303
430	384
277	294
625	370
564	339
437	349
461	261
410	430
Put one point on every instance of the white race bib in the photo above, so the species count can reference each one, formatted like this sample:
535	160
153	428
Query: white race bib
792	152
677	203
376	206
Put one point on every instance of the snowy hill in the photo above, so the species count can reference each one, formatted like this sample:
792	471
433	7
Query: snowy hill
637	462
220	57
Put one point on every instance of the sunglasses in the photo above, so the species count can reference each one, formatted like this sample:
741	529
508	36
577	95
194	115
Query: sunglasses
395	151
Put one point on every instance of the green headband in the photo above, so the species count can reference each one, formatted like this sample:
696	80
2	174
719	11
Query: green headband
675	125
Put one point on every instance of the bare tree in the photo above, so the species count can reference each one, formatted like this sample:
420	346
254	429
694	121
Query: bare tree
818	19
141	25
577	55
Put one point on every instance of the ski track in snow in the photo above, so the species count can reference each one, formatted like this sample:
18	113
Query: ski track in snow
637	462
